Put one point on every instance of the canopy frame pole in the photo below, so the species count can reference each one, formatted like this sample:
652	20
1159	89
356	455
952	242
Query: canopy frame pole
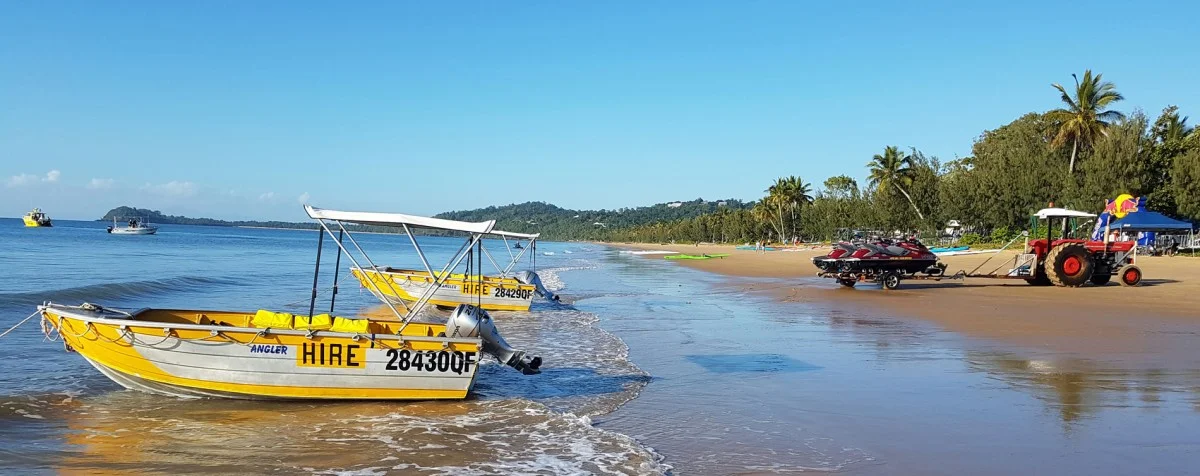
517	258
312	303
420	254
337	266
374	267
485	252
441	279
374	287
509	248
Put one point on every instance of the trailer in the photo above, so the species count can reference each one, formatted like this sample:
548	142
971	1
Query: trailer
889	279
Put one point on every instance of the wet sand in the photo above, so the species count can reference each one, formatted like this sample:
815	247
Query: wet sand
1154	325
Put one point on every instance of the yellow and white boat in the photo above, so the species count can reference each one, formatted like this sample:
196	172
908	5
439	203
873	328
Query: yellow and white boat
492	293
37	218
264	354
506	291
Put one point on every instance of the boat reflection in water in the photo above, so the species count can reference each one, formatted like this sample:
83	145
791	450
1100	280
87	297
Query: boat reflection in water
1077	389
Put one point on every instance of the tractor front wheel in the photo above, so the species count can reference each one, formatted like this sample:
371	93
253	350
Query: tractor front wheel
1069	264
1131	275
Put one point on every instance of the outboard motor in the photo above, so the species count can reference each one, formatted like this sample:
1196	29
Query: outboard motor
471	321
530	277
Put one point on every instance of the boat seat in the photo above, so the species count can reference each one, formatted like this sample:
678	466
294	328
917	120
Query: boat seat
875	248
896	251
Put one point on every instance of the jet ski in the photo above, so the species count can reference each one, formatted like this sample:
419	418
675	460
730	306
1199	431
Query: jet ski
877	257
829	262
905	256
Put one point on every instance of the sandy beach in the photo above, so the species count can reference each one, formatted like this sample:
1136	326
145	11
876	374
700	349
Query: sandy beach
1152	325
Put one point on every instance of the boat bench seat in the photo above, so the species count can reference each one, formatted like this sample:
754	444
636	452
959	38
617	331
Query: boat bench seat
320	322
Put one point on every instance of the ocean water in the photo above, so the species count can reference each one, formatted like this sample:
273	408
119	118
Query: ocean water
650	368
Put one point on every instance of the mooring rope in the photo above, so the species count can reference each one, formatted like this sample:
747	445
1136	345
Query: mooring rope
10	329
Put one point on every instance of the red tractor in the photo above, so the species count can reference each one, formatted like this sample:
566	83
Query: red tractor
1074	262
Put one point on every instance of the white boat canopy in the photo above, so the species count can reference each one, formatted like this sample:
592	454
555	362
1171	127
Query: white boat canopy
399	220
1061	212
509	234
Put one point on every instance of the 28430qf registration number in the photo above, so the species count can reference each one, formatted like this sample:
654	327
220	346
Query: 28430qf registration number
431	360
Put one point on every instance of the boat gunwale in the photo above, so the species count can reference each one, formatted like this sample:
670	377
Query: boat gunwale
416	273
69	312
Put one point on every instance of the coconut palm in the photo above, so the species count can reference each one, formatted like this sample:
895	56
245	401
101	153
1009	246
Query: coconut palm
1086	116
770	211
793	193
893	169
1171	127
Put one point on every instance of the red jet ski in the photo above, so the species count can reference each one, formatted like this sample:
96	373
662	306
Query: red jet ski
883	256
829	262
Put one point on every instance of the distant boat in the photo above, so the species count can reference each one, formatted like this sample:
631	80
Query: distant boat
37	218
135	227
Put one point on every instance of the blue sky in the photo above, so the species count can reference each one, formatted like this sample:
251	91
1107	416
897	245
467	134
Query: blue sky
244	109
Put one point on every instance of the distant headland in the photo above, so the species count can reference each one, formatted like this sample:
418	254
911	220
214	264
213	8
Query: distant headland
155	216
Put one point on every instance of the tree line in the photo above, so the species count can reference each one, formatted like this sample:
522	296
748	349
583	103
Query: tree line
1075	156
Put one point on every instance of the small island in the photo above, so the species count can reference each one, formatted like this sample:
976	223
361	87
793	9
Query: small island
155	216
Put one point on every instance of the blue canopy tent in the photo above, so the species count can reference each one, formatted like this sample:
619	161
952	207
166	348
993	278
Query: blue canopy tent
1147	222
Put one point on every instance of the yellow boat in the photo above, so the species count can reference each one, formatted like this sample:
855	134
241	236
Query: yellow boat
37	218
506	291
492	293
265	354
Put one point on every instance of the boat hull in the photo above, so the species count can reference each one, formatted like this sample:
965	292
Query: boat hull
149	230
199	361
495	294
34	223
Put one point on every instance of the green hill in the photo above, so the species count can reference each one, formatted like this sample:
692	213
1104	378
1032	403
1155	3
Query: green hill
565	224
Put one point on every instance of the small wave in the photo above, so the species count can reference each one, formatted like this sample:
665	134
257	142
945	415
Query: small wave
552	281
114	291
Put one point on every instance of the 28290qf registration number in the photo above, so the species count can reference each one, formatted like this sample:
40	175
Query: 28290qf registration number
513	293
431	360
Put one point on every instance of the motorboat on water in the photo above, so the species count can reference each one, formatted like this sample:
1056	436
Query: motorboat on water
135	226
265	354
505	290
37	218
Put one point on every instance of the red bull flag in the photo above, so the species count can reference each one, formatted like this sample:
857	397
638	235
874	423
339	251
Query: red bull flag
1116	209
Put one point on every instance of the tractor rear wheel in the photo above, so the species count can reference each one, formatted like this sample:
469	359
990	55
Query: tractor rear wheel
1069	264
1130	275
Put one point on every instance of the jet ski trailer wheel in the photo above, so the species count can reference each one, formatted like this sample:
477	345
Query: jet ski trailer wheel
890	280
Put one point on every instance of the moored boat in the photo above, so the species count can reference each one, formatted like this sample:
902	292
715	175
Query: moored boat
135	227
505	291
37	218
265	354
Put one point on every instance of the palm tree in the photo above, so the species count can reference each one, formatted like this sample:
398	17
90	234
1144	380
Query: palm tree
1170	127
892	169
769	209
794	193
1086	116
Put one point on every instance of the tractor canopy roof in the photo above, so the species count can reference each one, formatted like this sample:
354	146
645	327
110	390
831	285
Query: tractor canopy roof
1061	212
